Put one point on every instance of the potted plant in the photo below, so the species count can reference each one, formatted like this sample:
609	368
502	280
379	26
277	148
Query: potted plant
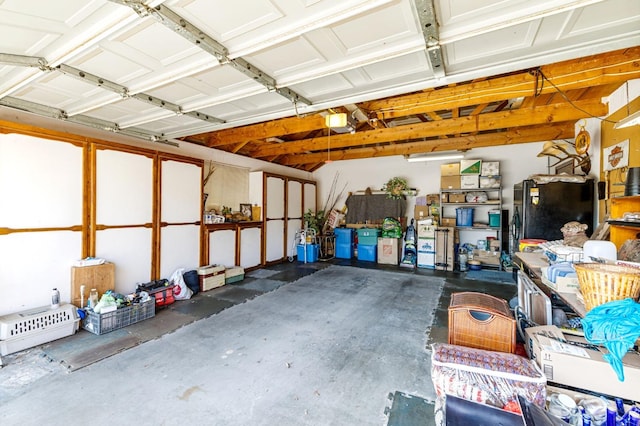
395	187
315	220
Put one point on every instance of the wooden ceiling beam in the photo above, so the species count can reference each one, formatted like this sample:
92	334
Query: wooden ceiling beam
480	123
607	68
268	129
521	135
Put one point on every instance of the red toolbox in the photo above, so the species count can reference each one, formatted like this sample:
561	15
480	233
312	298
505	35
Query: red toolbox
162	290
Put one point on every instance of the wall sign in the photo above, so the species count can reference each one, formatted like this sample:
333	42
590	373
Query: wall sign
616	156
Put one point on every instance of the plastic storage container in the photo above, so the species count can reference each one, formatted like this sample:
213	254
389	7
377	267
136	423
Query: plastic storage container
464	216
494	218
307	252
368	236
343	235
367	252
344	250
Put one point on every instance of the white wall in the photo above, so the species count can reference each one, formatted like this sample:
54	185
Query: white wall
517	162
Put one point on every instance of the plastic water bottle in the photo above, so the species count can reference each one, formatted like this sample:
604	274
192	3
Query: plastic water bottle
55	299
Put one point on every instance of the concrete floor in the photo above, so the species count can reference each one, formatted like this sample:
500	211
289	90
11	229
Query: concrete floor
24	372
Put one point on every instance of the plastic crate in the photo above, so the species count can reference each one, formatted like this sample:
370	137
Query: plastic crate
122	317
481	321
36	326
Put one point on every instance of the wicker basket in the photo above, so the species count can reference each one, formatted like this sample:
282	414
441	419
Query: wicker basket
481	321
601	283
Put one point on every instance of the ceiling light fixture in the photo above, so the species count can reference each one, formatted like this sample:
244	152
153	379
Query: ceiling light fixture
436	157
333	120
336	120
630	119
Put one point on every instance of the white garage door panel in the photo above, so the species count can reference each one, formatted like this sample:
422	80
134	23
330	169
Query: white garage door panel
293	226
275	198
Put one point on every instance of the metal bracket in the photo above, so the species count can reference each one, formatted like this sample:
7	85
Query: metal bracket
427	17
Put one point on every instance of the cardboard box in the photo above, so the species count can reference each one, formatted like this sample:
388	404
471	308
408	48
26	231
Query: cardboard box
460	197
562	284
490	168
574	364
444	197
389	250
426	259
470	167
452	169
448	221
469	182
487	257
433	199
420	212
450	182
490	181
445	240
425	229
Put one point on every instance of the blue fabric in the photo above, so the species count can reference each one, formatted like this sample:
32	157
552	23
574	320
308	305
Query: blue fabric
616	326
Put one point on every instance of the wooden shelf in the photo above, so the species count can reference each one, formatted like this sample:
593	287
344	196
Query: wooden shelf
622	231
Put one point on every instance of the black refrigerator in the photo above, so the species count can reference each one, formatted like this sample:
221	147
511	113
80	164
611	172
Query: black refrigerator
543	208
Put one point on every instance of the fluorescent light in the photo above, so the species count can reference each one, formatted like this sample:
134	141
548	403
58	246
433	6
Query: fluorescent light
628	121
440	157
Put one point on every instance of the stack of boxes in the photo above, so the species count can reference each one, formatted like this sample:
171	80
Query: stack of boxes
344	243
368	243
469	174
426	244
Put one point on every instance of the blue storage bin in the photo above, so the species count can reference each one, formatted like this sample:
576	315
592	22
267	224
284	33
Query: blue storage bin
367	252
343	235
311	252
464	216
344	250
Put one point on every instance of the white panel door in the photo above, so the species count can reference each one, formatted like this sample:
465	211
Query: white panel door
274	235
293	226
222	246
250	247
294	214
275	211
181	211
41	186
124	197
310	197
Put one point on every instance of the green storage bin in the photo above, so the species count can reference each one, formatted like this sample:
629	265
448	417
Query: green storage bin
368	236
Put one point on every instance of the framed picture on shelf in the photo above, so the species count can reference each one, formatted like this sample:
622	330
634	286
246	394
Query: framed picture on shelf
245	209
